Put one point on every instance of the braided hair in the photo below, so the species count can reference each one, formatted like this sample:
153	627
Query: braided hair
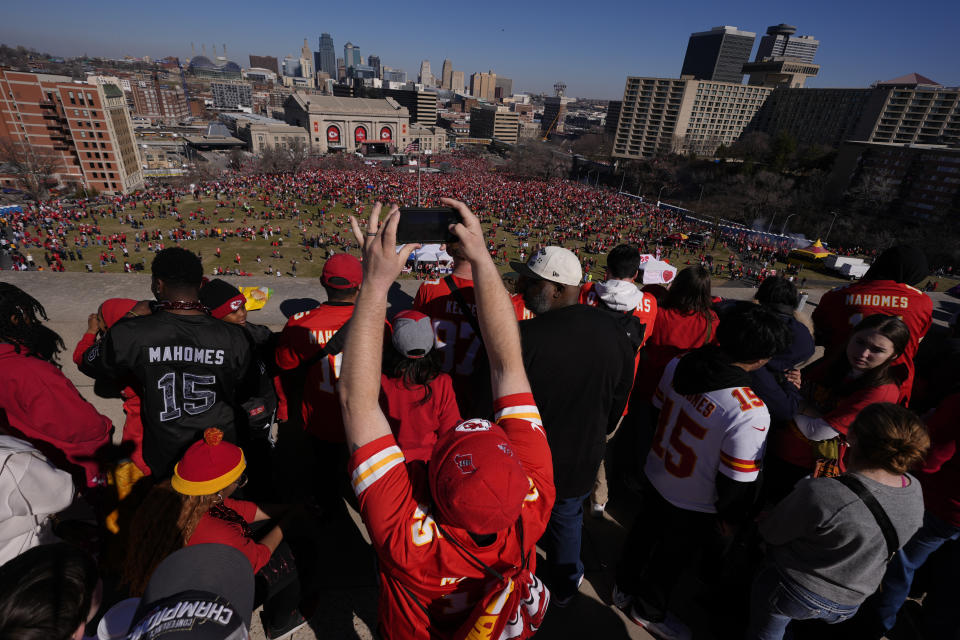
21	325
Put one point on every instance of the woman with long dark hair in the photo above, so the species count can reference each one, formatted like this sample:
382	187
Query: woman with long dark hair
36	395
685	321
836	389
416	396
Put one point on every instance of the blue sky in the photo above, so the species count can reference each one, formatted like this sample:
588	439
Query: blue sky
591	46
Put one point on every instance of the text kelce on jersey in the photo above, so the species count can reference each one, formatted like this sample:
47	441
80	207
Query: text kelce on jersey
186	354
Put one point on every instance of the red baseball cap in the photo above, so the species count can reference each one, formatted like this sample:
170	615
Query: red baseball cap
342	271
476	480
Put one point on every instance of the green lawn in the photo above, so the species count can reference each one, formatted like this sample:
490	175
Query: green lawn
310	263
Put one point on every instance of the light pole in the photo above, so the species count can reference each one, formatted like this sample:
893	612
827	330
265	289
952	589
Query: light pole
700	199
659	193
772	218
830	228
622	178
784	227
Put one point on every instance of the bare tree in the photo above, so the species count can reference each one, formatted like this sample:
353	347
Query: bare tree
537	159
235	160
35	169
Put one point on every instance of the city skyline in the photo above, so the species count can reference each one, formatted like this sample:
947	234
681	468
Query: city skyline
533	48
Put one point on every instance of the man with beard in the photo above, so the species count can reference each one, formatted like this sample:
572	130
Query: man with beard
580	362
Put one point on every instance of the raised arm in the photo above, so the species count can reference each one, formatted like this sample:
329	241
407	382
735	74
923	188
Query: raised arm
363	420
498	322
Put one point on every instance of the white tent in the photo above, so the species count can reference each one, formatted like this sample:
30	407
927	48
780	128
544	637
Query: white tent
430	253
656	271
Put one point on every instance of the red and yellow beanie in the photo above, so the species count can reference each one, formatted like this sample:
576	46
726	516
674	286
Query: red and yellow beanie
208	465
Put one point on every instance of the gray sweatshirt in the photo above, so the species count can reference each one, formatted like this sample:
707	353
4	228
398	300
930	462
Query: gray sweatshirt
823	537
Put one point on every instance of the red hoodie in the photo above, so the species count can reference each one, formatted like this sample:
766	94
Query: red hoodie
44	408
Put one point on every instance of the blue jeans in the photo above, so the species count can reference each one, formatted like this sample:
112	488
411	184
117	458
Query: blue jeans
775	600
561	541
899	576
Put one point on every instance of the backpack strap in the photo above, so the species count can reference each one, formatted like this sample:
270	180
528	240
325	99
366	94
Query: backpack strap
886	527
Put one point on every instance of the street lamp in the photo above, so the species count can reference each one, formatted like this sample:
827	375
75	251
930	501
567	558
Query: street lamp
830	228
784	227
659	193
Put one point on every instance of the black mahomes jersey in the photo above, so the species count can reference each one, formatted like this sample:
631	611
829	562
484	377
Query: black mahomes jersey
189	368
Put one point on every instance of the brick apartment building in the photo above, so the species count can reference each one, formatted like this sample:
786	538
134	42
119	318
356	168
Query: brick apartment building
84	129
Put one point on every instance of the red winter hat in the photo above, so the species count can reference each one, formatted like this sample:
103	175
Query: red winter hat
208	465
342	271
476	481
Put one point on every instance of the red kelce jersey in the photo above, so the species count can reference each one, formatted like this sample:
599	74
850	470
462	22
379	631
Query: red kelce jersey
418	567
301	339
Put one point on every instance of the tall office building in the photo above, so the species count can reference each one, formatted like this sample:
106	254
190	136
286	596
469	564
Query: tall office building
351	56
341	70
718	54
554	114
426	77
781	43
83	130
306	61
783	60
502	88
446	77
491	121
483	85
264	62
374	63
422	105
327	56
457	82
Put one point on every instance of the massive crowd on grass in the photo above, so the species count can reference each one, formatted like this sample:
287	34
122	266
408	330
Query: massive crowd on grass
308	210
770	489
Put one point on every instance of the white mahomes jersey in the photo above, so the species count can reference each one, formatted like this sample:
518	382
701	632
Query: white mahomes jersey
698	435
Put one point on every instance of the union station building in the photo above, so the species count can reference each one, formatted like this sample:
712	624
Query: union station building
350	125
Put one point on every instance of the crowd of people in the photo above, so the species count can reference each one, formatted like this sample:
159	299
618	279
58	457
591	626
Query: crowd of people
475	428
308	211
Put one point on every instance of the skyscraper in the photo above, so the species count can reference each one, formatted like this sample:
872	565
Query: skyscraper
327	56
456	82
374	61
780	43
426	77
446	78
783	60
351	56
306	61
483	85
718	54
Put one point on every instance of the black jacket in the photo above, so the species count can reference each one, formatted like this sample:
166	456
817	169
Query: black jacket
580	362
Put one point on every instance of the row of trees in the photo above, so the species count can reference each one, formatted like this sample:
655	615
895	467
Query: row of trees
769	183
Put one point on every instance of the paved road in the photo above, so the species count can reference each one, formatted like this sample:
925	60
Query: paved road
348	602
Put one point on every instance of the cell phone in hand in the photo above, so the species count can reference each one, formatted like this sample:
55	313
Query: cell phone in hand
425	225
